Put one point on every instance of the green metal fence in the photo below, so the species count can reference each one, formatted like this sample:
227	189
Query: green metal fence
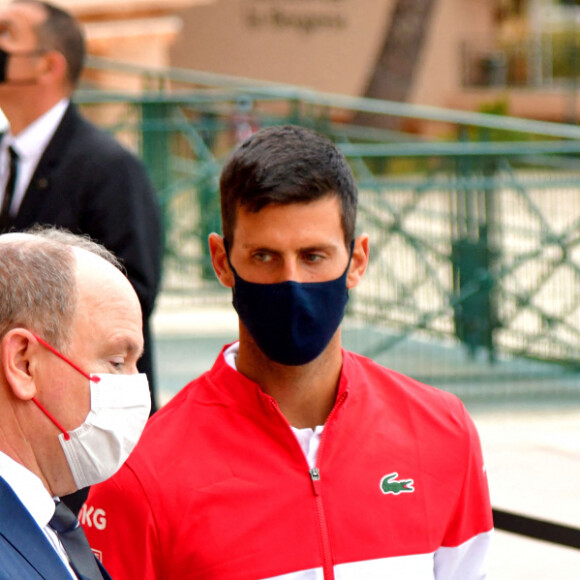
475	232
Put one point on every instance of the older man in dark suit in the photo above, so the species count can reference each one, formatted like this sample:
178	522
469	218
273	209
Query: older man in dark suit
57	168
72	403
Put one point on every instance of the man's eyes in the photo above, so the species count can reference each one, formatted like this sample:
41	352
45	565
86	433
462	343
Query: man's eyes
117	364
262	256
309	257
312	258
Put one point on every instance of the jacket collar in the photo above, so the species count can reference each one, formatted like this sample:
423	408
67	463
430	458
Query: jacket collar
21	531
247	394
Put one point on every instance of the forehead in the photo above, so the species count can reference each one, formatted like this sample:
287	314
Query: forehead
107	303
314	220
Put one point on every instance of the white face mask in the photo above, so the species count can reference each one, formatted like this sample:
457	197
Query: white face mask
120	406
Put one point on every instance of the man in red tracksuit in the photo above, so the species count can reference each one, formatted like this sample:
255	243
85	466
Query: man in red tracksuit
292	458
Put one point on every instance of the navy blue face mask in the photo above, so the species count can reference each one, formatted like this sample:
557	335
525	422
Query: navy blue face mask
291	322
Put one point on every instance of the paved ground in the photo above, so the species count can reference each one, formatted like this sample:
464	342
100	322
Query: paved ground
531	443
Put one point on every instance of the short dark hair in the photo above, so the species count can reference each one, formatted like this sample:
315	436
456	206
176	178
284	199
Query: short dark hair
283	165
60	31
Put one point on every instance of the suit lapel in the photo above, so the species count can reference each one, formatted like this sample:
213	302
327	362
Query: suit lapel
21	531
40	183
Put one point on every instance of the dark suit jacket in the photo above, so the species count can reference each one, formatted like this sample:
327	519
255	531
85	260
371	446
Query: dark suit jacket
88	183
25	552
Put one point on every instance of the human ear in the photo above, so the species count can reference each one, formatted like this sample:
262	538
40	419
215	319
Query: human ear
359	261
18	349
54	67
219	260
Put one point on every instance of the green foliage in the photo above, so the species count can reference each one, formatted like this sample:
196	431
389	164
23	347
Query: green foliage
498	107
565	50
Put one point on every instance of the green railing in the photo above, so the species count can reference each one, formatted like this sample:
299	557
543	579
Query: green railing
475	231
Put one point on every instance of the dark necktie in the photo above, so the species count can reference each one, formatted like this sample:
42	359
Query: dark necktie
75	543
9	191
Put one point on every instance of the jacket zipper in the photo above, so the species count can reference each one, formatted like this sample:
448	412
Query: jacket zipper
327	559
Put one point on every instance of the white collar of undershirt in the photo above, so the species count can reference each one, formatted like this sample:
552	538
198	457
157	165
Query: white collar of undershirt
29	145
36	499
309	439
29	489
32	141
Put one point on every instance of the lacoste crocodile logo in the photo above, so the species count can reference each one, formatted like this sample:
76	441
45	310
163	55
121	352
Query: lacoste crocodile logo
389	484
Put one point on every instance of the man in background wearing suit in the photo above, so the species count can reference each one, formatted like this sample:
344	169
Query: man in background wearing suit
69	173
72	404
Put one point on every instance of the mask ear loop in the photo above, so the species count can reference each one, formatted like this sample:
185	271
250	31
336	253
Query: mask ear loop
50	416
61	356
227	249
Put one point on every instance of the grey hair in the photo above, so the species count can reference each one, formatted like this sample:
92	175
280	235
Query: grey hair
38	288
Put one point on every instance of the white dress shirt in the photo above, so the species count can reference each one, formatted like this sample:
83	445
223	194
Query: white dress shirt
309	439
35	498
29	145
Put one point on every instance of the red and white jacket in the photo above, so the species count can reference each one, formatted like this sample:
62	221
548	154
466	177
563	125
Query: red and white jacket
219	487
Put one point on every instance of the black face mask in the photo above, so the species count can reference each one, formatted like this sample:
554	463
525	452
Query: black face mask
4	56
291	322
3	65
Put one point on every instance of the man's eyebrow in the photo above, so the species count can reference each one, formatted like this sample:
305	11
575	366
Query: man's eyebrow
307	248
132	348
129	346
318	248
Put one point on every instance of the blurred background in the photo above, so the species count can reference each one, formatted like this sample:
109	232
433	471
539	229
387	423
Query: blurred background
460	121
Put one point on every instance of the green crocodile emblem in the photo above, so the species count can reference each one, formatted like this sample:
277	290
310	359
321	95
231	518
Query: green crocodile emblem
389	484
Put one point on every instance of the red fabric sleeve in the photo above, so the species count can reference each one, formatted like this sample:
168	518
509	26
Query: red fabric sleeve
472	514
121	529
